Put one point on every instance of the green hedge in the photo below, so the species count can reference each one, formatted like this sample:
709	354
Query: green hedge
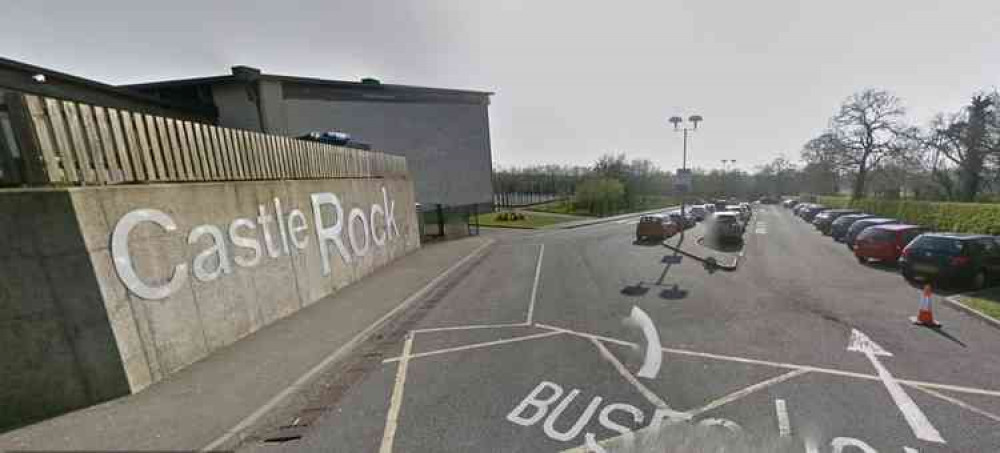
942	216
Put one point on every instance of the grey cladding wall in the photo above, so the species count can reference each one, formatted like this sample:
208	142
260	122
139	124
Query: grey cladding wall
447	146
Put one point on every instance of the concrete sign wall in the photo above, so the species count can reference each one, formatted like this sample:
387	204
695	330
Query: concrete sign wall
107	290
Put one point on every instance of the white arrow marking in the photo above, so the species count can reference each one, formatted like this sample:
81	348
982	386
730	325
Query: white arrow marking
921	426
654	350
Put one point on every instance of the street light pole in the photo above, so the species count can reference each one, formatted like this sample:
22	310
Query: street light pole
694	120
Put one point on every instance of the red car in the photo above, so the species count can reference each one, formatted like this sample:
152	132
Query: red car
885	242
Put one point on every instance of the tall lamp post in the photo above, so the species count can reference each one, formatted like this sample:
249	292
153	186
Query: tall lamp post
677	121
725	172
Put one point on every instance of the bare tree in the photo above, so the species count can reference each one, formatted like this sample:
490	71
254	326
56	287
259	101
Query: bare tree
868	128
969	140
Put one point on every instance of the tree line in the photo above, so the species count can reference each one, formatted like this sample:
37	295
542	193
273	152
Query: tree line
868	149
871	147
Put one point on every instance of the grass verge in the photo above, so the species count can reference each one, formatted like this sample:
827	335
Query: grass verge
986	302
531	220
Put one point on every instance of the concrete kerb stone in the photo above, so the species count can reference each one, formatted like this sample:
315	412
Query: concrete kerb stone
232	437
956	303
612	219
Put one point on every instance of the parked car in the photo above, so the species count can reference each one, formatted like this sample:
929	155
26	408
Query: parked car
809	213
743	213
725	226
767	200
839	227
885	243
655	226
824	219
952	258
860	225
709	207
790	203
698	212
797	210
685	221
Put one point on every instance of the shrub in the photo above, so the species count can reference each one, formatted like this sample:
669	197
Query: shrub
979	218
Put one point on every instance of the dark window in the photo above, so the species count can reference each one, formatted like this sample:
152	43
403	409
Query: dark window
939	244
909	235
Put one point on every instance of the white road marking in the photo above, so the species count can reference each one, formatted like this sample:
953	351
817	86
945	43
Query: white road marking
591	444
921	426
746	391
392	418
469	327
474	346
910	450
654	354
653	398
790	366
961	404
632	222
534	286
760	227
340	352
622	221
784	427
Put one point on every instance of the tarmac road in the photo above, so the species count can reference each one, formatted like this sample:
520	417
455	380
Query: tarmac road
538	347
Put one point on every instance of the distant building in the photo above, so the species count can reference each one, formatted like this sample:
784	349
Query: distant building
443	133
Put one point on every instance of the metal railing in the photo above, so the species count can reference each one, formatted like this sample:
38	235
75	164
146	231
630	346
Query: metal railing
69	143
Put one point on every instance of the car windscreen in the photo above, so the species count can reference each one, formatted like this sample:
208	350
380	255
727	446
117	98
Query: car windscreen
877	235
938	244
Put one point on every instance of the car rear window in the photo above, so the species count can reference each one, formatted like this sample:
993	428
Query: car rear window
877	234
938	244
650	219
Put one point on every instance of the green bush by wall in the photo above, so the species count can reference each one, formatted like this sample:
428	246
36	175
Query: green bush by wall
942	216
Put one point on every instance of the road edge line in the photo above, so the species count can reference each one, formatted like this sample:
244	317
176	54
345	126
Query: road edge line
396	402
955	302
340	352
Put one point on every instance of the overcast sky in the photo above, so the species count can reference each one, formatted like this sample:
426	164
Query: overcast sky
573	79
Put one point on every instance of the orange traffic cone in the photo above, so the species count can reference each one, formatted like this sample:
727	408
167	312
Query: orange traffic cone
925	317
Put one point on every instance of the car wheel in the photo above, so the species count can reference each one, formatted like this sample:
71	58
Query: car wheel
909	277
861	259
979	281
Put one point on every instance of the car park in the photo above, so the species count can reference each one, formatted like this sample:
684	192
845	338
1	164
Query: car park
725	226
684	220
839	227
698	212
742	213
809	213
655	226
885	243
950	258
824	219
860	225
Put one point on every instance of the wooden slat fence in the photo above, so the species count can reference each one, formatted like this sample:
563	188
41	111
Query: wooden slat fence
70	143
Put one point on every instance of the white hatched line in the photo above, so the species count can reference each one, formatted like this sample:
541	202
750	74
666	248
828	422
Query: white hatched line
534	286
392	418
744	392
653	398
961	404
790	366
784	428
474	346
470	327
